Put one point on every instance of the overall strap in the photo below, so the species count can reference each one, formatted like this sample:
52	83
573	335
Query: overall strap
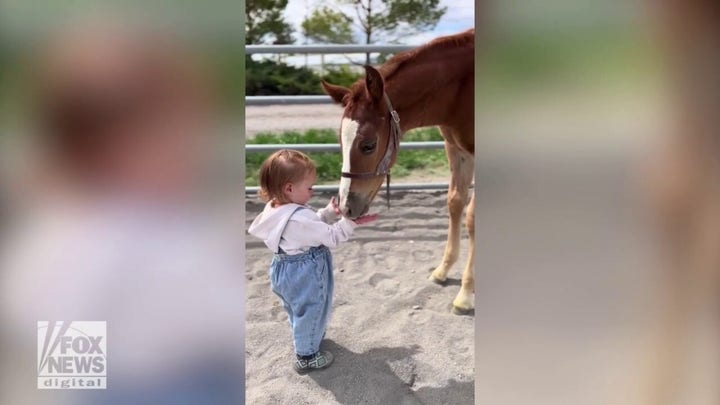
280	251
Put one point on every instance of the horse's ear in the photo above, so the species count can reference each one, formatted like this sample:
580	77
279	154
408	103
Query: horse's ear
374	83
337	93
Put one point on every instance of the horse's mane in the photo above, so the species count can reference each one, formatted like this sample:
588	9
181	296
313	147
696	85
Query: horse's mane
451	41
466	38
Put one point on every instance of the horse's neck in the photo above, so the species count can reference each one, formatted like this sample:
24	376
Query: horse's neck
423	92
696	86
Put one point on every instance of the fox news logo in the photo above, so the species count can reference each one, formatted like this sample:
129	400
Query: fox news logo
72	355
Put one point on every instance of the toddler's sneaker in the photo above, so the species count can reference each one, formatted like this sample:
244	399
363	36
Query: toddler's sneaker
318	361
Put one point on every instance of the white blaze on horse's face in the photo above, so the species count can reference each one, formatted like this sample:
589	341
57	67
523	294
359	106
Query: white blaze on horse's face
348	133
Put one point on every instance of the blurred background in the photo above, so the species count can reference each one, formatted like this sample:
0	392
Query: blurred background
121	167
574	101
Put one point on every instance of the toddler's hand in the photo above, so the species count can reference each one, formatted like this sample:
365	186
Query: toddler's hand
332	204
365	219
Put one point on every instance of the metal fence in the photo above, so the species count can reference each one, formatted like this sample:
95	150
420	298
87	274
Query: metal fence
334	188
311	49
333	147
324	49
289	100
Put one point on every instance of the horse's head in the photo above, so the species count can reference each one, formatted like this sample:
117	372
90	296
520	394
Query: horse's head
366	134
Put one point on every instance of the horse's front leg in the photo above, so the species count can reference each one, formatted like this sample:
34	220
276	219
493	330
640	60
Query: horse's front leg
463	302
461	167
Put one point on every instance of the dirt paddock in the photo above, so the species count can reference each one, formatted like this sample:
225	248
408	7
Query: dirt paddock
392	332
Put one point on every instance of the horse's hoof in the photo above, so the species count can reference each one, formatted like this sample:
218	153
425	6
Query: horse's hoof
461	311
436	280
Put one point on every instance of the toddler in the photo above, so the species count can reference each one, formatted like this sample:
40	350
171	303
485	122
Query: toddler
301	268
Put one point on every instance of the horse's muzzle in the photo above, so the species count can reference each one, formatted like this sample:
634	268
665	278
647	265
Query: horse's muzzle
355	205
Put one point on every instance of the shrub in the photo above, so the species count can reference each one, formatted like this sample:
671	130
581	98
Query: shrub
342	76
269	78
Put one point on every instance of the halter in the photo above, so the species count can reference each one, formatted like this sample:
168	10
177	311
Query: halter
383	167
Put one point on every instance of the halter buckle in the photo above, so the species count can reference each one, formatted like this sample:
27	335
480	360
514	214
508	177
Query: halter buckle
395	116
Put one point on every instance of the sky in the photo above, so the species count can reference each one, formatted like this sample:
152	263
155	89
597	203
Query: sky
460	15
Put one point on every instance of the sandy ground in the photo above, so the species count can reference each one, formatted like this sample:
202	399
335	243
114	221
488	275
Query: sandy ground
392	332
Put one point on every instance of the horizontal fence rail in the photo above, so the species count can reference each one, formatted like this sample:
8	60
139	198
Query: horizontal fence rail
287	100
400	186
324	49
334	147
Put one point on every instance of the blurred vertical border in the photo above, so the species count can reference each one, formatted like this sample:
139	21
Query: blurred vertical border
572	100
214	31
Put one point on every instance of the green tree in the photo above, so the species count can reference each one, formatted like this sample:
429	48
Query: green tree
264	23
328	26
377	20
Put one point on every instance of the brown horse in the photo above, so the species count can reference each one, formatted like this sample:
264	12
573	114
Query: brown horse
432	85
685	190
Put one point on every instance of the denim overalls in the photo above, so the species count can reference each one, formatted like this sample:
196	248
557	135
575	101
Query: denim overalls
304	283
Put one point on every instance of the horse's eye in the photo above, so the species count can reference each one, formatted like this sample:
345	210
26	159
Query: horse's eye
368	146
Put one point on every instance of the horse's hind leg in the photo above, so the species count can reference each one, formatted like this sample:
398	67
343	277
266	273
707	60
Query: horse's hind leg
463	303
462	165
690	321
686	203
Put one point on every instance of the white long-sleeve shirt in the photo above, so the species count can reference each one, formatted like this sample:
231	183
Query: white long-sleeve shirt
296	228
